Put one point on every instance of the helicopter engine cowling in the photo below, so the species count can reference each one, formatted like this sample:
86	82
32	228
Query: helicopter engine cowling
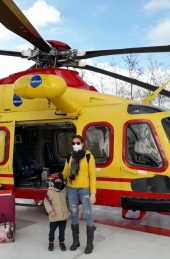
40	86
51	87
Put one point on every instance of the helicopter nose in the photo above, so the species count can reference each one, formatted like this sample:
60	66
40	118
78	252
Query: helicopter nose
40	86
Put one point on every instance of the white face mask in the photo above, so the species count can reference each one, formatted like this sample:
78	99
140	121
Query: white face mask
77	147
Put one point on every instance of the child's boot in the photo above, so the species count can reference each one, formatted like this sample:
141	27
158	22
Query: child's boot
62	246
51	246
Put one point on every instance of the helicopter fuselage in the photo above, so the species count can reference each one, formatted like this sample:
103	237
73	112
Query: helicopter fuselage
130	141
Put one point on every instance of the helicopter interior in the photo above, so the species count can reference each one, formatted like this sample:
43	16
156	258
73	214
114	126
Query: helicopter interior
39	149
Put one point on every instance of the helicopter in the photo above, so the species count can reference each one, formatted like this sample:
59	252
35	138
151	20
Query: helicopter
40	112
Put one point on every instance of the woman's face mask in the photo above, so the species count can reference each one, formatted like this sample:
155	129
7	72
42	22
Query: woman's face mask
77	147
76	144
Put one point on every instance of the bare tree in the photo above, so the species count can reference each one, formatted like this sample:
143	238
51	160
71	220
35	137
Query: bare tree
134	70
155	73
117	84
158	73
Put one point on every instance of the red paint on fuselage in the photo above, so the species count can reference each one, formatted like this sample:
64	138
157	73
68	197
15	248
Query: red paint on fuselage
59	45
71	77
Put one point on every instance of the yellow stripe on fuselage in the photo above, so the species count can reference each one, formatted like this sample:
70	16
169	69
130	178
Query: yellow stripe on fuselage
108	185
6	180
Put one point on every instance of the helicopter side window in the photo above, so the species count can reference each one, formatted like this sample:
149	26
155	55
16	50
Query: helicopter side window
97	140
141	147
64	140
3	145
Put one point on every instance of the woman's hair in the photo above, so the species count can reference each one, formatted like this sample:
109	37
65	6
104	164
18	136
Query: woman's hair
79	137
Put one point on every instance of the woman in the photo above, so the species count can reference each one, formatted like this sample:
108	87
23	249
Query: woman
80	174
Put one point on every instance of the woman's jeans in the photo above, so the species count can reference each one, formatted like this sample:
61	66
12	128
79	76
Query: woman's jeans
53	226
84	195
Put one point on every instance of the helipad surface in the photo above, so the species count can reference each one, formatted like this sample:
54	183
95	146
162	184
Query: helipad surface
115	237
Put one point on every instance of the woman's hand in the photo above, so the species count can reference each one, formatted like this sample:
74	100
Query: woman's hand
92	198
52	213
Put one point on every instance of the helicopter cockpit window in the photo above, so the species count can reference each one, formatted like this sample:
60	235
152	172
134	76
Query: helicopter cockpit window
143	109
166	126
97	140
141	147
3	145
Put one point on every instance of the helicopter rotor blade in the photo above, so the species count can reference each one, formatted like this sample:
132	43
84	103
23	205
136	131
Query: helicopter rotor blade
14	20
99	53
13	53
125	79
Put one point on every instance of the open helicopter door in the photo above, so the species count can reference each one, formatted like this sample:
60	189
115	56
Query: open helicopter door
7	129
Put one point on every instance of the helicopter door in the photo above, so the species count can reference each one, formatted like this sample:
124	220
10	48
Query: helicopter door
6	154
140	154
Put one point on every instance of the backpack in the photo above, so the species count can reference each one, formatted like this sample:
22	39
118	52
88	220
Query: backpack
87	157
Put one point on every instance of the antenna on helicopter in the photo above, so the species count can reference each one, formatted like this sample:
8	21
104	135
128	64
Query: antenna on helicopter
152	96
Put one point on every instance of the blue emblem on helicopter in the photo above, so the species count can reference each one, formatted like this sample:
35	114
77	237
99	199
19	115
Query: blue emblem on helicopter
35	81
17	101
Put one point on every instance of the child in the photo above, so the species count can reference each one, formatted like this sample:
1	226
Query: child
56	206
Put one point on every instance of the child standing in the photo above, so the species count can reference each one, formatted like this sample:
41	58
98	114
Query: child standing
56	206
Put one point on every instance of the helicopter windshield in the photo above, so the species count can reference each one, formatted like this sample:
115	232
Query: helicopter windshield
143	109
166	126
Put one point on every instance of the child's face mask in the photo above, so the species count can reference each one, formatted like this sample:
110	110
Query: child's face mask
58	185
77	147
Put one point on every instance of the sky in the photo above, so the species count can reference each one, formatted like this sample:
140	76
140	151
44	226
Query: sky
91	25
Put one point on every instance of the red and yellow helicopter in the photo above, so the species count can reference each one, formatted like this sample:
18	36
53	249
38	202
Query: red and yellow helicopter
42	107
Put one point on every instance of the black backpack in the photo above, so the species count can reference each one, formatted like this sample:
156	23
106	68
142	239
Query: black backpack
87	157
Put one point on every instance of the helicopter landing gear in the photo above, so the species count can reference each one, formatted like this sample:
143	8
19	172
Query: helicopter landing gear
141	214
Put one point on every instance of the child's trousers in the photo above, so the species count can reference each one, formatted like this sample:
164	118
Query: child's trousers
53	226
